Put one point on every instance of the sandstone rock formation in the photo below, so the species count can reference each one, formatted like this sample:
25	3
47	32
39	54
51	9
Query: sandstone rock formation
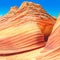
37	14
24	29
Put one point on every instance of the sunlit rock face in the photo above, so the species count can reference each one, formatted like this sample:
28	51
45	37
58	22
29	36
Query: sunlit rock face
24	29
52	48
24	37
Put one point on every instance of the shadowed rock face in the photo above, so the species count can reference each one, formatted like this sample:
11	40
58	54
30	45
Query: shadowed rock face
54	39
52	48
24	29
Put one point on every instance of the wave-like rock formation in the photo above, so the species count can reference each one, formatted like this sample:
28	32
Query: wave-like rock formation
24	29
35	11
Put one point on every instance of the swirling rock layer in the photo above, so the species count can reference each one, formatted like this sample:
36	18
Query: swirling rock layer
24	29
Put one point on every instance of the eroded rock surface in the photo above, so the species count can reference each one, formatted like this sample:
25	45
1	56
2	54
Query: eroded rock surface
23	29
